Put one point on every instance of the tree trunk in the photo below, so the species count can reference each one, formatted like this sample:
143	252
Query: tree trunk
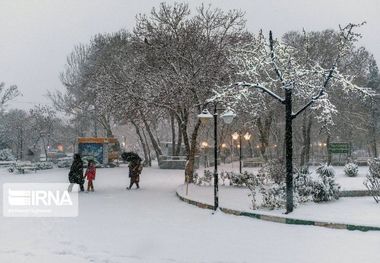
308	140
45	149
306	130
329	155
264	133
373	132
20	144
173	133
146	157
153	140
179	139
186	141
104	121
189	170
250	149
289	150
149	161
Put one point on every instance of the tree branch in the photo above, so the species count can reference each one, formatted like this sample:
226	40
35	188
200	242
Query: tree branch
307	105
262	88
272	56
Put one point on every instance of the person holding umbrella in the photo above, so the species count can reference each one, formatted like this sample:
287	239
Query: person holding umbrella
135	168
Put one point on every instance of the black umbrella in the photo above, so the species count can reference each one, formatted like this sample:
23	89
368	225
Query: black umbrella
130	156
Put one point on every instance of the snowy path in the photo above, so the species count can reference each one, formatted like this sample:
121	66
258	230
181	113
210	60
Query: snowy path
152	225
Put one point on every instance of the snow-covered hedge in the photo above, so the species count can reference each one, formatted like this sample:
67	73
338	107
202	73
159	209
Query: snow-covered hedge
303	186
205	180
6	155
43	165
274	170
325	189
374	167
372	181
351	170
273	194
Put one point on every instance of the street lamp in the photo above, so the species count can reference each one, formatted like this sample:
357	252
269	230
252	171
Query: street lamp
227	117
236	136
247	136
204	146
224	146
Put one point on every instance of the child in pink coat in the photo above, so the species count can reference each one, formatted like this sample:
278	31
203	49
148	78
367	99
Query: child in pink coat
90	174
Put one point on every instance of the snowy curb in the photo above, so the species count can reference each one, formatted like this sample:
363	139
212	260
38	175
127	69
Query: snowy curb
279	219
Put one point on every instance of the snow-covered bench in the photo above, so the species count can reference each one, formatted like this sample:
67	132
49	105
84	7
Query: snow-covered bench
175	162
25	169
362	161
253	162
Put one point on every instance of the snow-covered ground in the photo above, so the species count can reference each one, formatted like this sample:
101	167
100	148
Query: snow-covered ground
360	210
353	210
153	225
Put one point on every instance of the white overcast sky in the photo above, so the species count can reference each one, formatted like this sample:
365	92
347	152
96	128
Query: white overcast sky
37	35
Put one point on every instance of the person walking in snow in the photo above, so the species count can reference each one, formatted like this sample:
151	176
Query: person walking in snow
76	172
135	168
90	175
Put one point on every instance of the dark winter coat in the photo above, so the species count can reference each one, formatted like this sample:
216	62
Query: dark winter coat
135	168
76	172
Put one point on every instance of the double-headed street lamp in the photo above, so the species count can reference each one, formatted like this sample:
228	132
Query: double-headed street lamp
227	117
235	136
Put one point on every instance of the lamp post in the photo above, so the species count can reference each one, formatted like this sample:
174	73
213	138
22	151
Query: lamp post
235	136
224	146
227	117
204	146
247	137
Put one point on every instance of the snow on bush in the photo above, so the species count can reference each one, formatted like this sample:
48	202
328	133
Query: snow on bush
274	170
237	179
303	185
351	170
325	189
44	165
273	193
6	155
205	180
374	167
326	171
372	181
274	196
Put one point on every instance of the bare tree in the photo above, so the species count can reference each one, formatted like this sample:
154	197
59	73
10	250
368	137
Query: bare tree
43	119
7	94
